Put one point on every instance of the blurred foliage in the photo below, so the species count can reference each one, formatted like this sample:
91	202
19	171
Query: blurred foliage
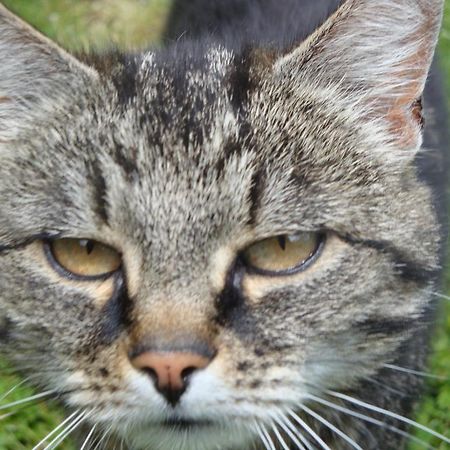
83	24
133	24
444	47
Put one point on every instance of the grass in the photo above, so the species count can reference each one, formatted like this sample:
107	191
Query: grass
78	24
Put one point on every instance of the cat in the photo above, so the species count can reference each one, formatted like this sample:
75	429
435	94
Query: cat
231	242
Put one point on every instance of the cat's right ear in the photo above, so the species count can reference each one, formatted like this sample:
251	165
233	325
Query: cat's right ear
35	73
377	54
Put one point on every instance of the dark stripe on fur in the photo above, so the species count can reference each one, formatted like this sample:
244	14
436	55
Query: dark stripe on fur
118	67
126	82
255	194
99	183
230	301
408	270
240	81
5	329
123	159
231	147
385	326
115	314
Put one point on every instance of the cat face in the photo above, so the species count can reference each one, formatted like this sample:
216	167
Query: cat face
266	239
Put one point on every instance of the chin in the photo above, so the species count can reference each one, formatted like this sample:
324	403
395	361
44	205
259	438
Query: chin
189	436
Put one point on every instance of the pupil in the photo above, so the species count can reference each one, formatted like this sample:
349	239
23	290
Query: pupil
88	245
282	242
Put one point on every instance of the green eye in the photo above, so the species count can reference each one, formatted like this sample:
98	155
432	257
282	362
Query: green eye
284	254
83	258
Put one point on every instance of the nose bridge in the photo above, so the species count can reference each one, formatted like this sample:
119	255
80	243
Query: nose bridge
168	330
173	313
172	327
177	260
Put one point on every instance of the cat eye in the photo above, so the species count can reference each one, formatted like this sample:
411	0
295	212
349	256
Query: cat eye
83	258
284	254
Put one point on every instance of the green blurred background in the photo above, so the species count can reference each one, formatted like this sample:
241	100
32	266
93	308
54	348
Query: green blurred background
83	24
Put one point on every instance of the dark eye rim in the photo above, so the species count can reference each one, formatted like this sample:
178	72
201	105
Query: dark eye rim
301	267
61	270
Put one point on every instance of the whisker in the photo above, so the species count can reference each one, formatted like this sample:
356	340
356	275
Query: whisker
305	441
289	432
437	294
5	416
105	444
102	438
23	407
279	437
331	427
415	372
386	387
307	428
27	400
10	391
262	437
351	363
65	432
268	438
62	424
369	419
88	437
389	414
20	369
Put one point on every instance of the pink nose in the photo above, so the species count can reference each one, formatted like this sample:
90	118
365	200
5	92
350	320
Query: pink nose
170	372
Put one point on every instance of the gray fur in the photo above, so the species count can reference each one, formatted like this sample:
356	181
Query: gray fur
188	167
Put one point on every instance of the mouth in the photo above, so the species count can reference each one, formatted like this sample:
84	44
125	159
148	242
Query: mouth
186	424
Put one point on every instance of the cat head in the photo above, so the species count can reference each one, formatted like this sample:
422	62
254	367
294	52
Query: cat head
194	241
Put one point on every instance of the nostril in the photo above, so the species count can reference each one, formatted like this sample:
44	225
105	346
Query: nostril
152	374
187	372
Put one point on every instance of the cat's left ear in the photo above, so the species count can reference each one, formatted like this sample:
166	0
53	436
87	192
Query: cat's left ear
35	74
378	54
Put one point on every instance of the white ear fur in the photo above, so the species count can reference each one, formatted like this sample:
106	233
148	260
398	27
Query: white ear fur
34	72
379	52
